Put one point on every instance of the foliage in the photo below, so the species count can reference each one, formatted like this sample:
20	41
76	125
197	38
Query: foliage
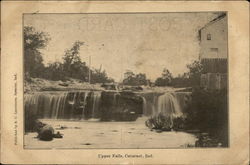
72	64
99	76
190	78
159	122
135	79
165	123
74	67
33	42
181	81
54	71
208	112
195	70
71	67
165	79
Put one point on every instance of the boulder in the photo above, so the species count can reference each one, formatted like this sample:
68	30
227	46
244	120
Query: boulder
120	106
46	133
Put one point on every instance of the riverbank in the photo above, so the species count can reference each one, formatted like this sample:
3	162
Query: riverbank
39	85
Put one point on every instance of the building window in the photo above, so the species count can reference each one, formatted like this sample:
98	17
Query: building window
208	36
214	49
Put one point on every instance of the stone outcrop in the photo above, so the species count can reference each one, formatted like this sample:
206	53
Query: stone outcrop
121	106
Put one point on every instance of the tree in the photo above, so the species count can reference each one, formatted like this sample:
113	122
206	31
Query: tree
34	41
128	74
72	55
129	78
166	74
182	80
74	67
195	71
134	79
72	64
99	76
71	67
165	79
141	79
54	71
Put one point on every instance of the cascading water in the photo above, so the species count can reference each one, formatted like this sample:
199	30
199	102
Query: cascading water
77	105
46	106
96	103
83	103
149	102
168	111
170	103
59	104
72	103
63	105
102	104
144	105
115	99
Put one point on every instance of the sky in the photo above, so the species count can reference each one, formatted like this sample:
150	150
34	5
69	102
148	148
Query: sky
142	43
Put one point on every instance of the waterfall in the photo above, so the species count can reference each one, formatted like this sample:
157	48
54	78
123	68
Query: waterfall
149	102
168	111
63	105
83	103
170	103
96	103
58	106
144	106
44	105
72	102
31	103
115	99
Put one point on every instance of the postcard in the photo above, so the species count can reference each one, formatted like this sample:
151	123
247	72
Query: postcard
125	82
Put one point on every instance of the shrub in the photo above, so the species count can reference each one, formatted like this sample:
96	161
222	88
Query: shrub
165	123
208	112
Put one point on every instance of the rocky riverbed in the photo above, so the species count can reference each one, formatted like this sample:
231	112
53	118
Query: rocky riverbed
96	134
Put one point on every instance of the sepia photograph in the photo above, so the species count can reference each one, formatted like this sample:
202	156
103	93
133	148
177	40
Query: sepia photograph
143	80
124	82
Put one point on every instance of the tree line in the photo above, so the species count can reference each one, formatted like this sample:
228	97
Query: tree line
71	66
190	78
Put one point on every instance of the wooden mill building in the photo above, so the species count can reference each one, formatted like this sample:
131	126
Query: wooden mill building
214	53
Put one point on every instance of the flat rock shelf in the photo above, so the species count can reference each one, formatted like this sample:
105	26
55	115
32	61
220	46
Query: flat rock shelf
96	134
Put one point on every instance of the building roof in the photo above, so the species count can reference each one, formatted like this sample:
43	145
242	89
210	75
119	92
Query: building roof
221	16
